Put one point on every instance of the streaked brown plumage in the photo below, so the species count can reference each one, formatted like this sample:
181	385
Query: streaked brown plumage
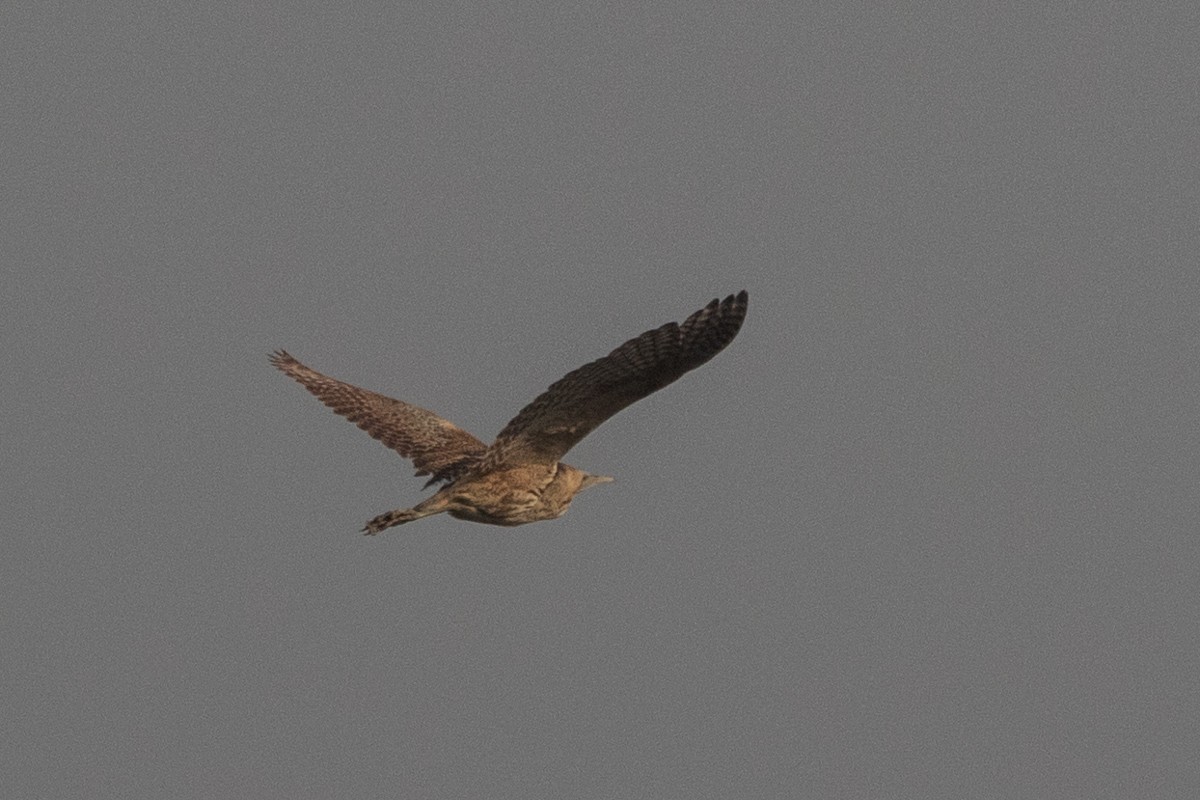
519	478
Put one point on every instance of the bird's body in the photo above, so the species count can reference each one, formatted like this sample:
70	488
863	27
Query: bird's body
519	478
512	496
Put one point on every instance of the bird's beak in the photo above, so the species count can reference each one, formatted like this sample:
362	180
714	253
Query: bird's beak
592	480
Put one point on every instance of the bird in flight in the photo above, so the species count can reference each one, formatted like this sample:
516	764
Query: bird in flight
519	478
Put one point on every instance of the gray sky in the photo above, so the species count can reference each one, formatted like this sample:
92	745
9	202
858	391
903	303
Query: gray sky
927	529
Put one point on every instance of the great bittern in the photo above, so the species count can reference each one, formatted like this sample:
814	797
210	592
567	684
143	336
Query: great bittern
519	478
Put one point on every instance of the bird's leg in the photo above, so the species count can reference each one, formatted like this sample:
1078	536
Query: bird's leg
433	505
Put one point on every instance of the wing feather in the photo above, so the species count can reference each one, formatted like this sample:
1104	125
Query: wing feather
575	405
436	446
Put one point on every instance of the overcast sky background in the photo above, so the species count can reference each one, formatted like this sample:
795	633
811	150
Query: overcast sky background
926	529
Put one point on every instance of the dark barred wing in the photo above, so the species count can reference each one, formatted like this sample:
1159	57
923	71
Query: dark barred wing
575	405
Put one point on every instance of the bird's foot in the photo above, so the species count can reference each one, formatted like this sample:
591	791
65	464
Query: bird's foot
390	519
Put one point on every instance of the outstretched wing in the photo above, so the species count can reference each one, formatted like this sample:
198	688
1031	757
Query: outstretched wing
575	405
437	447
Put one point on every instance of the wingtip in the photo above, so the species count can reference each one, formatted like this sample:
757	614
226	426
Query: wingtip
736	303
279	358
741	299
